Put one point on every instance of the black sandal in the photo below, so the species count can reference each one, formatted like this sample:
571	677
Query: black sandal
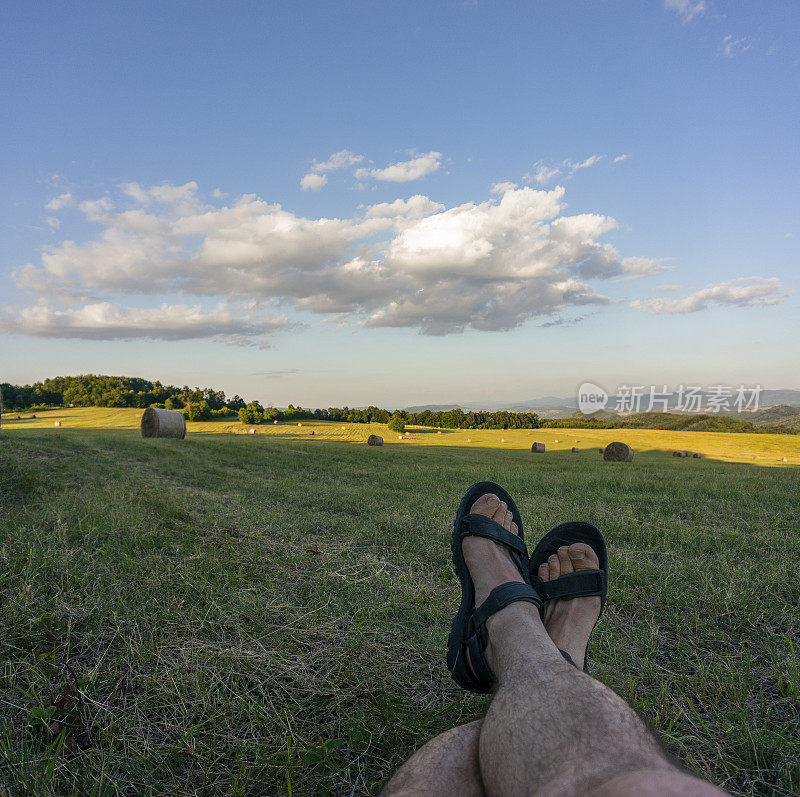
468	632
582	584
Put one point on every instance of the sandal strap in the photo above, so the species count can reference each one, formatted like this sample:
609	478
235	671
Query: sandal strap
482	526
478	637
583	584
503	596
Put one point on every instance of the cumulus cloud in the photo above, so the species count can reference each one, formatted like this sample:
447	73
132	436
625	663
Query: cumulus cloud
404	171
687	9
60	202
316	178
108	321
743	292
488	265
730	46
313	182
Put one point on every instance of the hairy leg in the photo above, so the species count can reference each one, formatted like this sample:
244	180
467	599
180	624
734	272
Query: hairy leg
446	766
551	729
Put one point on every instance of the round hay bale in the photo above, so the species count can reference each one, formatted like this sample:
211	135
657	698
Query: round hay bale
71	406
311	432
163	423
438	432
374	440
502	440
618	452
399	437
299	424
684	453
56	423
251	431
538	448
343	428
555	441
17	417
574	450
32	417
696	456
784	460
676	453
274	423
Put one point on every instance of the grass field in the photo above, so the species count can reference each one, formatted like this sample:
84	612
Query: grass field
250	614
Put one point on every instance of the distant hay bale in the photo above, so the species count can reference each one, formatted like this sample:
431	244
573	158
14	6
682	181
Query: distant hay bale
684	453
555	441
343	428
33	417
299	424
784	460
399	437
56	423
538	448
697	456
618	452
275	423
251	431
311	432
374	440
676	453
163	423
574	450
502	440
17	417
71	406
438	432
469	439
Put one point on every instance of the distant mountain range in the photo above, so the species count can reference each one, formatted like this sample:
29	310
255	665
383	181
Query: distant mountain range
781	401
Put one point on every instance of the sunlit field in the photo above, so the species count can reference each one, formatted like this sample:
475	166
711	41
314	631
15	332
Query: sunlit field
268	613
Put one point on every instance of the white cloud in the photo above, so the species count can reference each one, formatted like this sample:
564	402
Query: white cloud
543	173
669	287
413	208
339	160
404	171
730	46
491	264
622	157
53	223
316	178
592	160
60	202
743	292
108	321
313	182
687	9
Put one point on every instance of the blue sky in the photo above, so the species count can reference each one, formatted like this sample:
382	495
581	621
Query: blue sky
401	202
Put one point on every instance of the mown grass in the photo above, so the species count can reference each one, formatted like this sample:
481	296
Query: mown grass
236	614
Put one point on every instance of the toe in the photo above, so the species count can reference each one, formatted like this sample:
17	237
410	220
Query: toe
583	556
486	505
553	566
500	513
543	572
564	562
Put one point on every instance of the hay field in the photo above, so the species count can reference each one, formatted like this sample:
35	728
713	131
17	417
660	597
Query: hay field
250	614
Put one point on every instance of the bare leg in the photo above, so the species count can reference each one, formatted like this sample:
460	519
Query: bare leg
446	766
551	729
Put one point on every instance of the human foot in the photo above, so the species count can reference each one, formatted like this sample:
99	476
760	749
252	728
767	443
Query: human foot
570	622
490	564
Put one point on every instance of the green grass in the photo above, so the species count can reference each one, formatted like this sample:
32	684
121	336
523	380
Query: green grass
237	614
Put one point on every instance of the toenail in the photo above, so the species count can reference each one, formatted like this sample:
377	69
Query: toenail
492	501
553	559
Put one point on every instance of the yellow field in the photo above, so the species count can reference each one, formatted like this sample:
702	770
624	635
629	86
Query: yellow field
761	449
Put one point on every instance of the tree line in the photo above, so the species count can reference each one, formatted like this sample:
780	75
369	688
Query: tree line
90	390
